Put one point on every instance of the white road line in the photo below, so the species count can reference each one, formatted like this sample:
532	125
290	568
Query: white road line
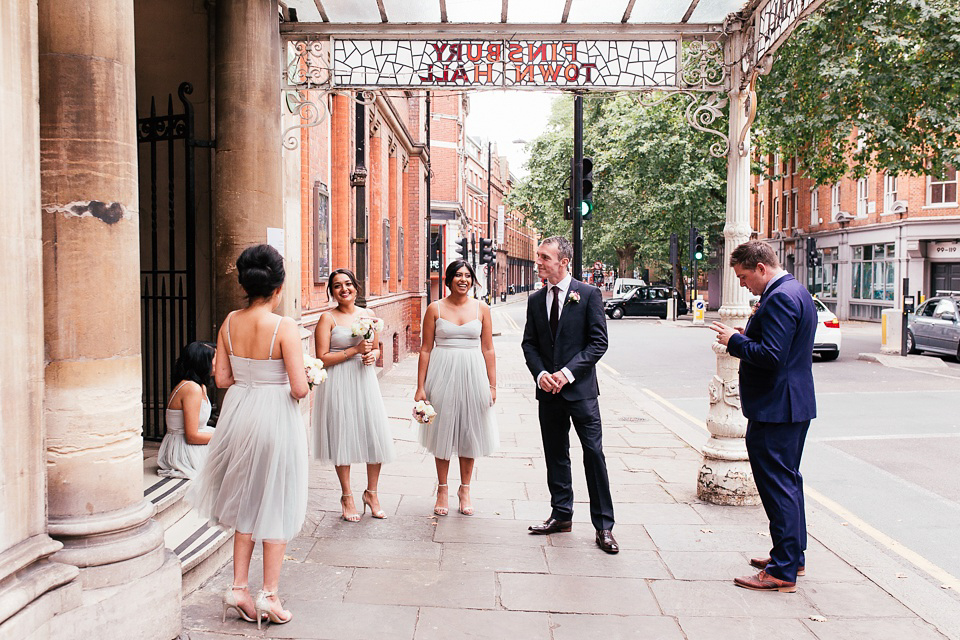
894	436
929	373
939	574
609	368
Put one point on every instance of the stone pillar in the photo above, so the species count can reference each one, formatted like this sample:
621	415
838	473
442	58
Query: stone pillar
91	298
27	577
725	476
247	190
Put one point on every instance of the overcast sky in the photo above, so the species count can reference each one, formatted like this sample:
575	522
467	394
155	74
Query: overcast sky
505	116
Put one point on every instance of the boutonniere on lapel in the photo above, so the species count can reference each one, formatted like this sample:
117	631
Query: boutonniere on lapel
572	298
753	309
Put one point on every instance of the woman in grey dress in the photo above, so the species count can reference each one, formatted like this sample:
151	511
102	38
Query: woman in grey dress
255	477
349	420
457	374
184	447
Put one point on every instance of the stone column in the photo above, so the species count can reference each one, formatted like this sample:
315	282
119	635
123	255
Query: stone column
247	189
725	476
27	577
91	298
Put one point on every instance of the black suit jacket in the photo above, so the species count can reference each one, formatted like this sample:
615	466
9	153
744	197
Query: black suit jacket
581	340
776	355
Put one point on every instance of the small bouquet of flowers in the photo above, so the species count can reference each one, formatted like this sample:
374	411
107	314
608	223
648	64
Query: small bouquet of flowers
316	374
366	326
423	412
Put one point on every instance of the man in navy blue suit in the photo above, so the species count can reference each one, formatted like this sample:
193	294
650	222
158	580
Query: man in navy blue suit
776	393
563	339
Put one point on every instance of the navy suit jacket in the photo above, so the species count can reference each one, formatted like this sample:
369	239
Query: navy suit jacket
581	340
776	355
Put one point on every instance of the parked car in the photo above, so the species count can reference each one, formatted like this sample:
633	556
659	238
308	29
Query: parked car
826	342
935	327
623	286
643	301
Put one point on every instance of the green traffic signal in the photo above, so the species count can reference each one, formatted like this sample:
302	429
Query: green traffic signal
586	208
698	248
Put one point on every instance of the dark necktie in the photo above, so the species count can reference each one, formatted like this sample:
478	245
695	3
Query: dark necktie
555	311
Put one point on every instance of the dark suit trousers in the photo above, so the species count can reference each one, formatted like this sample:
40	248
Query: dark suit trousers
555	417
775	449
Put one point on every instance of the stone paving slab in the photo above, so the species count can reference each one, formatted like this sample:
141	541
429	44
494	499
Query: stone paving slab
418	576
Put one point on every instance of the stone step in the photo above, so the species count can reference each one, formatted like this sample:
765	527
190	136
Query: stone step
202	549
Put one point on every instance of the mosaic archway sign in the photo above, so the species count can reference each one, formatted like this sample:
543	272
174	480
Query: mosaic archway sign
595	64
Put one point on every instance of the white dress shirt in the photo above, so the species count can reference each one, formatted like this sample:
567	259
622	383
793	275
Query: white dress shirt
779	275
561	299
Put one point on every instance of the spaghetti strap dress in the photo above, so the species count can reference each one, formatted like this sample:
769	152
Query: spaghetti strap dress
177	458
459	390
349	418
255	478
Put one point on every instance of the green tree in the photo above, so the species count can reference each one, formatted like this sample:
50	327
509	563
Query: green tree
867	84
653	175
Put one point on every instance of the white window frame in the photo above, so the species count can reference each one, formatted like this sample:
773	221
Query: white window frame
889	192
786	210
776	163
814	207
762	220
834	201
795	206
776	213
931	183
863	197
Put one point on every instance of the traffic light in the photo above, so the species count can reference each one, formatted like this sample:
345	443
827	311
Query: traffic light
813	254
586	205
486	251
462	249
698	247
567	211
692	242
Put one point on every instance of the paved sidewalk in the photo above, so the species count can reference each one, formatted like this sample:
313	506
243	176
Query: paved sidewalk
418	576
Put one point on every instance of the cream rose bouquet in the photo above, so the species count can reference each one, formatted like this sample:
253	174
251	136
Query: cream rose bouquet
316	374
423	412
366	326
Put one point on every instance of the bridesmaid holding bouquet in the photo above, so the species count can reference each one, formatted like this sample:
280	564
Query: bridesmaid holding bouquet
457	374
349	420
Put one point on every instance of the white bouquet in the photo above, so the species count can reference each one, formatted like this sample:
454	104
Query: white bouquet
316	374
366	326
424	412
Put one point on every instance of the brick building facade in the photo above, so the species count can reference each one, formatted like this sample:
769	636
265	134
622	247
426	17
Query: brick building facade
869	233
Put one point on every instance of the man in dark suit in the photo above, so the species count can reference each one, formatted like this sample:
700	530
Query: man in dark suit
563	339
776	393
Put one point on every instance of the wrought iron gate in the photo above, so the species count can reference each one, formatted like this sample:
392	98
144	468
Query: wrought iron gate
168	287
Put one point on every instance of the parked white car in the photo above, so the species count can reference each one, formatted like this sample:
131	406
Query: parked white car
828	338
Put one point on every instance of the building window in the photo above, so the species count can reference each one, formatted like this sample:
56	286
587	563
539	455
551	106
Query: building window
889	192
814	208
400	250
786	210
822	280
835	200
321	220
942	189
386	250
762	219
874	271
776	213
795	207
776	165
862	196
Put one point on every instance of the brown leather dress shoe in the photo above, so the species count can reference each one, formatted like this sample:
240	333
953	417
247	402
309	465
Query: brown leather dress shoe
763	581
761	563
606	541
551	525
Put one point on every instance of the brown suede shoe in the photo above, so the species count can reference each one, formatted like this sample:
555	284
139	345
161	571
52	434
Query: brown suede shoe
761	563
763	581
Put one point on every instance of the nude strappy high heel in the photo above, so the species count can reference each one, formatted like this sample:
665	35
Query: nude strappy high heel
467	511
355	517
380	515
230	602
440	511
265	609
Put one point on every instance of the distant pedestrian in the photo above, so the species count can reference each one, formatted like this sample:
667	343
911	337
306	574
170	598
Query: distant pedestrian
457	374
776	391
564	337
350	423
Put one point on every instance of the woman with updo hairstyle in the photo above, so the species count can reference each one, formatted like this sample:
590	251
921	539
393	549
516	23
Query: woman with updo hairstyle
255	478
350	423
183	450
457	374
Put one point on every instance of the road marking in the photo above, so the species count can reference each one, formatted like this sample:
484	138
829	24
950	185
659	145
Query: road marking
609	368
676	409
893	436
918	370
914	558
941	575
